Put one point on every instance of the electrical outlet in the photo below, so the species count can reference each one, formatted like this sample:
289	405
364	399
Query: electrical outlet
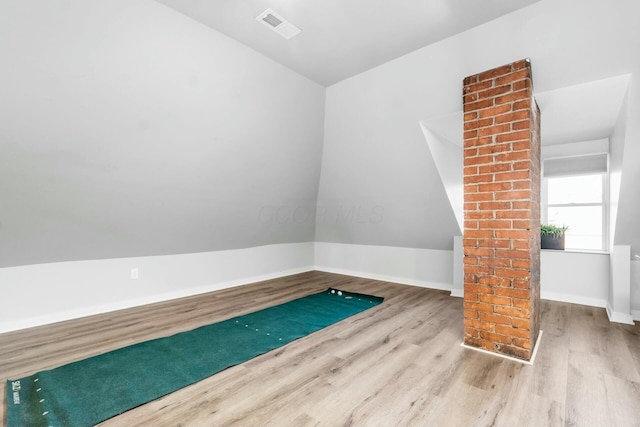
135	273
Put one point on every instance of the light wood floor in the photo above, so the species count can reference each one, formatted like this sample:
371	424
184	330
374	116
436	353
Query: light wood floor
399	363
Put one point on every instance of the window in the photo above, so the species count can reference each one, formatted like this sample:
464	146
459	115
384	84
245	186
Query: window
575	193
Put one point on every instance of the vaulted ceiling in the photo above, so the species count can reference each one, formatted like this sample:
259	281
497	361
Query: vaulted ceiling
341	38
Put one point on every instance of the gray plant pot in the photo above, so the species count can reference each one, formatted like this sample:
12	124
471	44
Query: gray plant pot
548	242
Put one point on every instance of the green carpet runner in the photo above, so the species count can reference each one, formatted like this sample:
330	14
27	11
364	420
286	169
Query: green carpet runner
92	390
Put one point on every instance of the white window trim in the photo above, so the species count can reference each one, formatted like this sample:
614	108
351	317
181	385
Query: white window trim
544	205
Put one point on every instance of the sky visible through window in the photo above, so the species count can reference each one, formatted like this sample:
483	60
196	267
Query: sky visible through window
578	202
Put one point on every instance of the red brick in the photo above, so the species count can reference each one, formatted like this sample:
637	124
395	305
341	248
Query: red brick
520	263
494	224
477	324
520	105
517	352
495	318
476	87
495	281
493	299
511	311
521	205
474	179
524	343
479	215
521	84
471	170
513	77
471	79
512	273
479	289
512	254
494	111
511	234
524	124
478	251
522	185
494	130
470	161
478	234
470	116
478	306
493	168
492	243
512	214
511	135
469	269
494	148
513	96
470	261
479	105
493	206
513	293
522	303
495	91
493	73
522	284
514	117
512	175
513	195
494	186
523	63
479	197
478	142
511	331
510	157
471	314
475	124
493	337
494	262
521	323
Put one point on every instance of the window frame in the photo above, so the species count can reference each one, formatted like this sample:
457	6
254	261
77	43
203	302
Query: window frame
544	204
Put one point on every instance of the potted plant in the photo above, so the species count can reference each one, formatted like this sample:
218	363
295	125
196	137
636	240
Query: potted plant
552	236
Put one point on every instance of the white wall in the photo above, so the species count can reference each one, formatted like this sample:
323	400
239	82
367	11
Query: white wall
375	154
418	267
575	277
128	129
635	289
44	293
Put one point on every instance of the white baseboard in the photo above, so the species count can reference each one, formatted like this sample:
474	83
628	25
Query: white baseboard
458	293
504	356
426	268
573	299
636	315
49	293
384	278
618	317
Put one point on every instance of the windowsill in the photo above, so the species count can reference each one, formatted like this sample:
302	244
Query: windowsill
578	251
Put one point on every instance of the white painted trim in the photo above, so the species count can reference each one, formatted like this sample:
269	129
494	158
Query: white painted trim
427	268
151	299
514	359
385	278
573	299
636	315
457	293
49	293
618	317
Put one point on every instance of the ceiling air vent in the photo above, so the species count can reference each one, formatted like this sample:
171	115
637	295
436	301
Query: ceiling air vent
278	24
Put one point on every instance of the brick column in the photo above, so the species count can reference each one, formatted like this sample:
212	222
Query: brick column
502	211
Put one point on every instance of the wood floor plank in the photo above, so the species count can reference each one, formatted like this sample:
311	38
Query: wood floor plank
400	363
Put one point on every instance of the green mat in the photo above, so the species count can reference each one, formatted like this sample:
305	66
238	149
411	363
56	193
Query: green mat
92	390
